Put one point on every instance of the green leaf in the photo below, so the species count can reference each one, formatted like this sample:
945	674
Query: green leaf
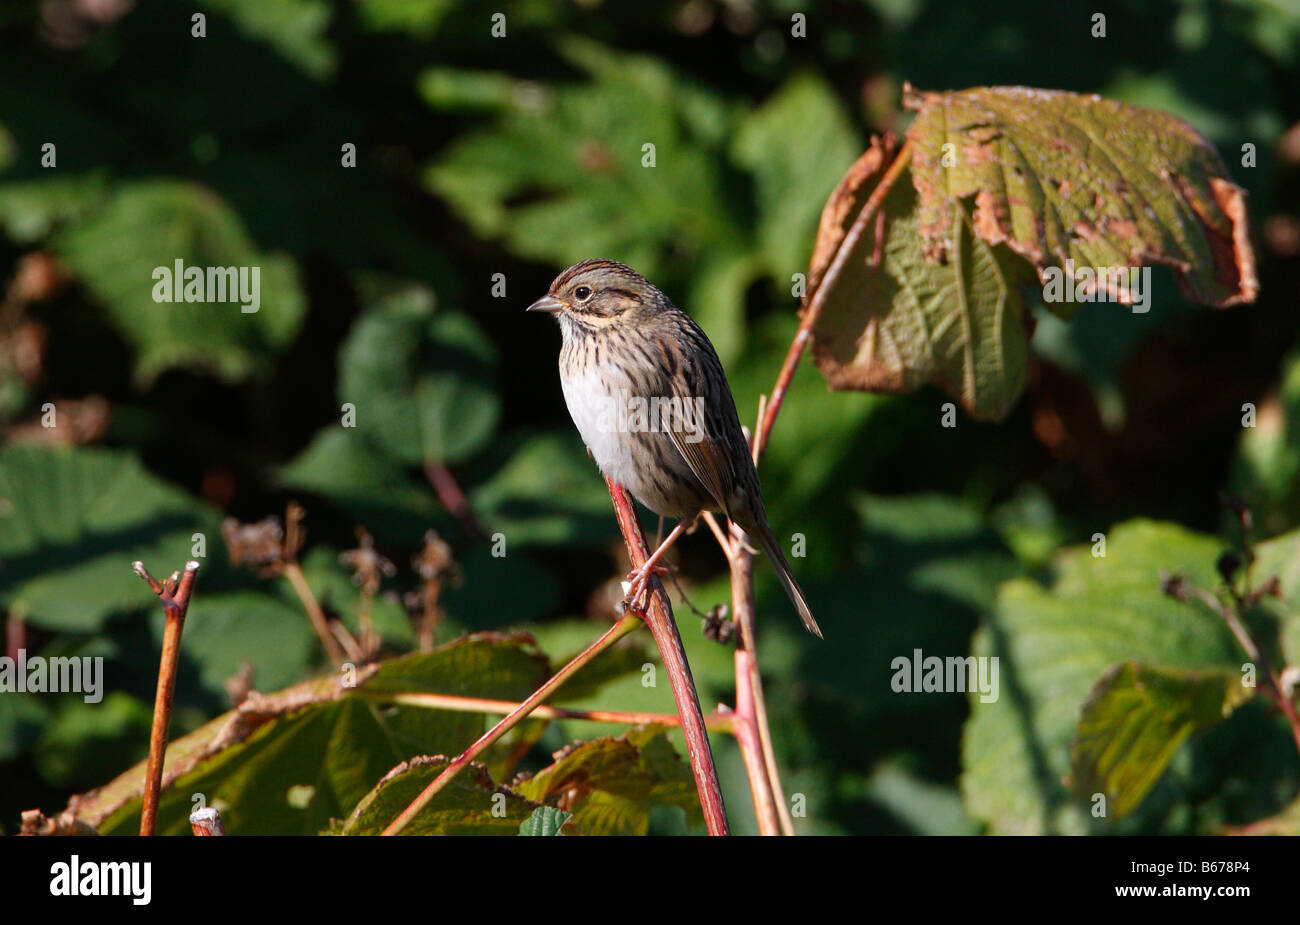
223	631
71	522
1054	642
151	224
1013	189
611	784
374	489
296	28
547	493
470	805
584	172
288	762
1280	558
898	322
795	145
545	820
31	209
421	380
1062	176
82	738
1136	718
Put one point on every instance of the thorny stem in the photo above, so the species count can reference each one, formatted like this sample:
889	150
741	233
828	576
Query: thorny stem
659	618
175	596
616	632
293	572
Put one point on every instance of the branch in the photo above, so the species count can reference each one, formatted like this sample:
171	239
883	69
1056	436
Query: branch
747	682
175	596
659	618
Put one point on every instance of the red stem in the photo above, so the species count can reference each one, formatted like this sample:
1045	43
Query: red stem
452	498
818	298
659	618
176	606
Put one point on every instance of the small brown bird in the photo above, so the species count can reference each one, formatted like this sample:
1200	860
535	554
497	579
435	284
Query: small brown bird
647	392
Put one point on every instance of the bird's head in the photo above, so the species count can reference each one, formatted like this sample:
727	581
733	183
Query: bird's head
596	293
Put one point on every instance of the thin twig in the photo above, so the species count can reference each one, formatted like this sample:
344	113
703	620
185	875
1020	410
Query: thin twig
817	299
452	498
175	597
293	571
719	722
616	632
1274	689
659	618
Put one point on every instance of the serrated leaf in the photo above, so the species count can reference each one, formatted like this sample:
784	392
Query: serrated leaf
1136	718
149	224
71	522
1054	641
893	321
1063	176
421	380
610	784
1011	190
545	820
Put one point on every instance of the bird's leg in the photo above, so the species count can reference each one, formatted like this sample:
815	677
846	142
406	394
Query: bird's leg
640	577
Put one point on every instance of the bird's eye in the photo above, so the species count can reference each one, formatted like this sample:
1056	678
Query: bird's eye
583	293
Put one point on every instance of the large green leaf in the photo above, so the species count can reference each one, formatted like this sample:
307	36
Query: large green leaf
421	380
1064	176
288	762
151	224
1136	718
1000	191
1053	644
71	522
894	322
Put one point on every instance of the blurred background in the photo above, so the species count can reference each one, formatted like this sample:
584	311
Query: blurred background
478	155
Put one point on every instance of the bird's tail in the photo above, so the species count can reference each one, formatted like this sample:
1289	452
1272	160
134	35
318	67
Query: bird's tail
772	549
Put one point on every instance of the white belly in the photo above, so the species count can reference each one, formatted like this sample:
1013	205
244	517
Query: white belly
593	405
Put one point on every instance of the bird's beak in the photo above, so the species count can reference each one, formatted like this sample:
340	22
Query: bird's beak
547	303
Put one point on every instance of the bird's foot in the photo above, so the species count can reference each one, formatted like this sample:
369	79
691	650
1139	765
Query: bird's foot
637	584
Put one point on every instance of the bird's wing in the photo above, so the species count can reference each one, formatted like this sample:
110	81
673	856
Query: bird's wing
710	462
705	439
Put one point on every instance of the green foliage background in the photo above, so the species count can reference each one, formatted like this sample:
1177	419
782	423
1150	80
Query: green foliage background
519	155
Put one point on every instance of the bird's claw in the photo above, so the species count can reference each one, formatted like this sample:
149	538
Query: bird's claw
637	585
